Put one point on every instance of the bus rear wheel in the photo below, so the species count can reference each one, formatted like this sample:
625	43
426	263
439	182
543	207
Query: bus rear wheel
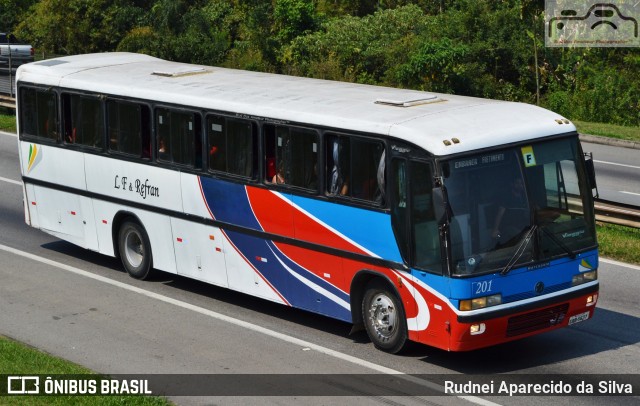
384	318
135	250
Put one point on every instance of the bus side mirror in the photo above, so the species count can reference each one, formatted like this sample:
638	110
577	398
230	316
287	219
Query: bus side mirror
438	205
591	172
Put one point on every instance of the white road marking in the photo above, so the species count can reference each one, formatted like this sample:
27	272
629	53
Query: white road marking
9	134
622	264
15	182
629	193
243	324
616	164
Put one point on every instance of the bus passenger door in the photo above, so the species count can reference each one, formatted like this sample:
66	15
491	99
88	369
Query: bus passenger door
418	237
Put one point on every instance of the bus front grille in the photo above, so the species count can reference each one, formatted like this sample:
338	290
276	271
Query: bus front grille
536	320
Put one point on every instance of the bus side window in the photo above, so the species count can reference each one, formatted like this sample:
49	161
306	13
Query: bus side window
128	128
291	155
338	165
355	168
39	113
177	134
231	145
83	120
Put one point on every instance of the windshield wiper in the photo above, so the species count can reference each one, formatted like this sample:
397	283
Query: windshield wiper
562	245
520	250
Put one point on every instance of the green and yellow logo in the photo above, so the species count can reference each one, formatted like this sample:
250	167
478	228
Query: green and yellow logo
33	157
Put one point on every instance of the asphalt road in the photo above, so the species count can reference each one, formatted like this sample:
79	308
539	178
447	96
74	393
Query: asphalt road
81	306
617	172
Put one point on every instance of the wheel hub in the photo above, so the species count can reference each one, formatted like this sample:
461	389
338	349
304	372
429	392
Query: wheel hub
383	315
134	249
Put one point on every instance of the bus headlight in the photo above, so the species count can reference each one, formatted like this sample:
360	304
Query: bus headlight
584	278
480	302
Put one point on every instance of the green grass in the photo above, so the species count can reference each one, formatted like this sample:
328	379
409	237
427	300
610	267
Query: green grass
619	242
609	130
7	120
19	359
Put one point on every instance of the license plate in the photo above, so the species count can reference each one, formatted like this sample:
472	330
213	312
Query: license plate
578	318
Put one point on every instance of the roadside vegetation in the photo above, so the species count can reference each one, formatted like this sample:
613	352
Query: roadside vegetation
7	120
609	130
619	242
19	359
483	48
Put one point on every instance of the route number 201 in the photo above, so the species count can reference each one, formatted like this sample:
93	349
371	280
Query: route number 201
481	287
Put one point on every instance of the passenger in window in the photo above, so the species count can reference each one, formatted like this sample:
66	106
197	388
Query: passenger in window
339	184
71	137
163	150
279	178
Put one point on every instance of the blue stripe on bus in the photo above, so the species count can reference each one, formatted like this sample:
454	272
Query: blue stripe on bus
369	229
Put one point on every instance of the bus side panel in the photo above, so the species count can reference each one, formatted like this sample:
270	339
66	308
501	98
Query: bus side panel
51	164
199	252
60	214
143	184
31	206
89	224
315	281
303	277
248	260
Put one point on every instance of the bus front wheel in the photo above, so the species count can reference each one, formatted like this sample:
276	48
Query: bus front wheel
135	250
384	318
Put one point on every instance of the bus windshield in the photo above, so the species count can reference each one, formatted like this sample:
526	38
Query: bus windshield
516	206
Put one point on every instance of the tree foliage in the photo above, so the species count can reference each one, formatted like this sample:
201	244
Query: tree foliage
482	48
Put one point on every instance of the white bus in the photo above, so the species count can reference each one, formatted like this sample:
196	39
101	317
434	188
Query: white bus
452	221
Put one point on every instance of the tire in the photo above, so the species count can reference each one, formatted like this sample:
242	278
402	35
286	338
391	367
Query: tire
135	250
384	318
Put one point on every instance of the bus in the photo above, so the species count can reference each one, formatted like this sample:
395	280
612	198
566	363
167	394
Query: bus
451	221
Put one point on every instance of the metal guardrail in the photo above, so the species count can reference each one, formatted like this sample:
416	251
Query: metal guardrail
617	213
6	101
7	82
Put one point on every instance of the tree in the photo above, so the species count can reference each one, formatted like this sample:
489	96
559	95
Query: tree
11	13
78	26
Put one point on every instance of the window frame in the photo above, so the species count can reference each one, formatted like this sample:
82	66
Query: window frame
265	158
329	134
255	147
142	105
64	95
197	134
21	121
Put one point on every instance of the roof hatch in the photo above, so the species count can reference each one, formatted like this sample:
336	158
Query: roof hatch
415	100
186	71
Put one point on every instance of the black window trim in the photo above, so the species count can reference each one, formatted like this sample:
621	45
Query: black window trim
125	155
256	133
154	137
36	138
287	187
103	104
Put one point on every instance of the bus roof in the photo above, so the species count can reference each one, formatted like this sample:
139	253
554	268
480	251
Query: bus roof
428	120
